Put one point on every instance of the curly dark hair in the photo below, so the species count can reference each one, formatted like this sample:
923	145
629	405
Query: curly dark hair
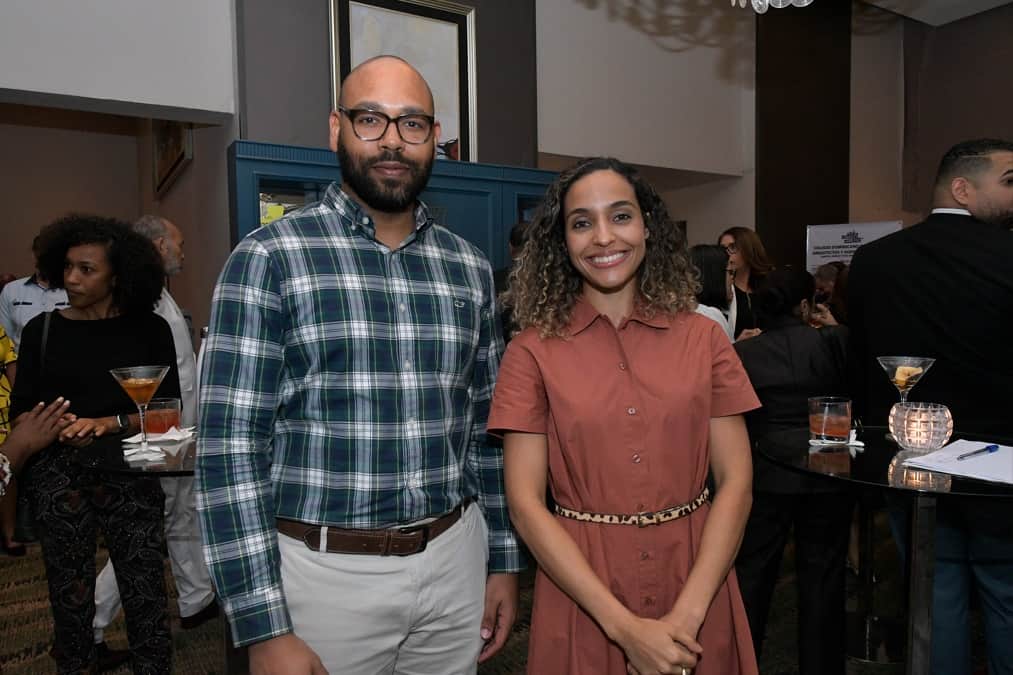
544	285
135	262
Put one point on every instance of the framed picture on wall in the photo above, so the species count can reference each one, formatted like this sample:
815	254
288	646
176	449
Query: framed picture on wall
435	36
171	151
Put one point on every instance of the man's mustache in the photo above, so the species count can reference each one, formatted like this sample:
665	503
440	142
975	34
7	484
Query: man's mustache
391	156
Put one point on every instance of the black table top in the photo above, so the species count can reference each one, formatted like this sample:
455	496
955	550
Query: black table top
877	465
106	454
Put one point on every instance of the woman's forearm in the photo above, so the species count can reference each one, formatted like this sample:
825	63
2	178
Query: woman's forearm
719	544
732	466
564	563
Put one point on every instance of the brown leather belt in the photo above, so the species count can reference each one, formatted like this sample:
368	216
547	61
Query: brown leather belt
399	541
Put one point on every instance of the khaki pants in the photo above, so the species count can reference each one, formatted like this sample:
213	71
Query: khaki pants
412	615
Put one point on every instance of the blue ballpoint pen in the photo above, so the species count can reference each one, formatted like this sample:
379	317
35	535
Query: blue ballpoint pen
987	449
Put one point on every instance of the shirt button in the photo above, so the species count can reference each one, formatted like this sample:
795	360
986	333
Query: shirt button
365	220
631	411
644	555
649	600
622	366
636	458
407	364
403	307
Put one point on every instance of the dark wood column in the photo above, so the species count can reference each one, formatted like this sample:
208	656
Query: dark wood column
803	116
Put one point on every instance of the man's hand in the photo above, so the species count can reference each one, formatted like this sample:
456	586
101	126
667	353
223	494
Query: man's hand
822	316
500	612
284	655
36	429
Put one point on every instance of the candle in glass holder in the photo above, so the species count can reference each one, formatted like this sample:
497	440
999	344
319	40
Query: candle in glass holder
899	475
920	427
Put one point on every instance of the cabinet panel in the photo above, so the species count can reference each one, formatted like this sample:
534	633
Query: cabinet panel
480	202
471	209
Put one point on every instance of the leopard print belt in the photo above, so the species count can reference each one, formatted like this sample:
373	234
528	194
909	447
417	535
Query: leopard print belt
639	519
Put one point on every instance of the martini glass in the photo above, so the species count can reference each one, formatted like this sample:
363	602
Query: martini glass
905	371
140	383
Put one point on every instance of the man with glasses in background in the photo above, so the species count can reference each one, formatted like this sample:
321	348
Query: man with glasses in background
353	513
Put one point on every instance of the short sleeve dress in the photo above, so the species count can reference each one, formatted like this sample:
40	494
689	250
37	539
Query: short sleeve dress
626	413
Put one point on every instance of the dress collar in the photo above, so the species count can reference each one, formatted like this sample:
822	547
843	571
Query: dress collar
584	314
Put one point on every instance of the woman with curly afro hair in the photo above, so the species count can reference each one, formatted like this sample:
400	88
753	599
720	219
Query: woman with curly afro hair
620	399
113	278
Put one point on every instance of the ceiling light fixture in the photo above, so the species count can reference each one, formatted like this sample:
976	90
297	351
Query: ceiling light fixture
761	6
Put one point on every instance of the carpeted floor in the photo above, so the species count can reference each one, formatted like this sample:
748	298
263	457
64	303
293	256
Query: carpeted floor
25	623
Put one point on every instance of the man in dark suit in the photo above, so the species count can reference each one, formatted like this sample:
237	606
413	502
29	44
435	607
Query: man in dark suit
944	289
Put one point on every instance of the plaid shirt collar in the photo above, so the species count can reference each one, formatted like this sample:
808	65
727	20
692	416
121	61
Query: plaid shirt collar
356	221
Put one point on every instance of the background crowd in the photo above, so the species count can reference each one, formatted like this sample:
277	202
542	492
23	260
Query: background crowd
348	391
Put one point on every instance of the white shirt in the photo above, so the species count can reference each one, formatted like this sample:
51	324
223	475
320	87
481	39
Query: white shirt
718	316
185	362
956	212
22	300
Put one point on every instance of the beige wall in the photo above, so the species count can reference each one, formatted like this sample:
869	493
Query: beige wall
877	116
49	171
119	55
711	208
670	90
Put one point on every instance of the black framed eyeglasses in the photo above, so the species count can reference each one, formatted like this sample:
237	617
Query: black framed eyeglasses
731	249
371	125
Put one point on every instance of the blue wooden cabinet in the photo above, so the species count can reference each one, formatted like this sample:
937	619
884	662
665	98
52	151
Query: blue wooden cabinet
480	202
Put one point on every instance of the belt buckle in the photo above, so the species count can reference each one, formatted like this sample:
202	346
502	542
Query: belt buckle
644	519
422	529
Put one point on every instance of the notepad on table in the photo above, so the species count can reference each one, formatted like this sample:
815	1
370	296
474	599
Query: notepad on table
996	467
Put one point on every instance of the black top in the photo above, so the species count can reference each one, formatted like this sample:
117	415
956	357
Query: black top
786	364
944	289
79	355
745	317
501	282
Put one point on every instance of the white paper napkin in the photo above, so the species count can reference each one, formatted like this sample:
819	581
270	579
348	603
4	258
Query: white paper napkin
136	454
170	436
852	441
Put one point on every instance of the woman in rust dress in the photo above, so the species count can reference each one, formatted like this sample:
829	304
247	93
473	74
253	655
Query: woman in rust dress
620	398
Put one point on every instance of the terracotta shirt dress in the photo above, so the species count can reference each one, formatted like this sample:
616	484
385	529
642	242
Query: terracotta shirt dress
626	413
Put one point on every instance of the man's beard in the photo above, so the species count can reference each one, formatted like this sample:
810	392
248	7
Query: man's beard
999	218
387	196
1005	222
172	264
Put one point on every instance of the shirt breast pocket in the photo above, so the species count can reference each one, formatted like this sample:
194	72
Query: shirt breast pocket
459	334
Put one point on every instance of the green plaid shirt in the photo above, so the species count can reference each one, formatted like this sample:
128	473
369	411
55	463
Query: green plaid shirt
343	384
